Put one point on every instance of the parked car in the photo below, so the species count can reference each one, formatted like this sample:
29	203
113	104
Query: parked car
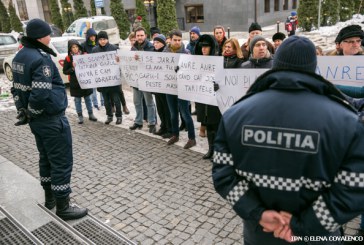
56	31
8	46
60	47
98	23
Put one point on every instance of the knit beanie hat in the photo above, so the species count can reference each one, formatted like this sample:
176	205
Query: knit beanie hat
349	31
255	26
160	38
278	36
196	30
102	34
154	30
296	53
37	28
254	41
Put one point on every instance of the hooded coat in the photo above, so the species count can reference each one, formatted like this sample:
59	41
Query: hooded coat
68	69
87	45
207	114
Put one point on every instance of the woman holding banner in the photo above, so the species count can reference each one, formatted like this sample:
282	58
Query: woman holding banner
207	114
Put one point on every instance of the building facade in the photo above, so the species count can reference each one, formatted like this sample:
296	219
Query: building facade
235	14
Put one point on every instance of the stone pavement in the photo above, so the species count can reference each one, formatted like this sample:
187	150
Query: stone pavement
150	192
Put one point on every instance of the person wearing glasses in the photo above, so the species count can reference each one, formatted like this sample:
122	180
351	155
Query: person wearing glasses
349	39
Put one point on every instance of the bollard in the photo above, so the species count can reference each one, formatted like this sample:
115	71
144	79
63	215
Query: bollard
228	32
278	25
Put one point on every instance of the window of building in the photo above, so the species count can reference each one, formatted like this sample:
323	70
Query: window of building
22	8
285	5
276	5
294	4
266	6
47	11
194	14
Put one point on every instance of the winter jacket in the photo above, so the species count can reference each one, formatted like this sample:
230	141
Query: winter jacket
232	61
264	63
191	46
207	114
87	45
181	50
247	53
108	47
291	144
37	84
68	69
145	46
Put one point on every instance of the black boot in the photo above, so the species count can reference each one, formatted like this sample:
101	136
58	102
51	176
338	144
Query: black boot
80	117
108	120
210	139
50	202
67	212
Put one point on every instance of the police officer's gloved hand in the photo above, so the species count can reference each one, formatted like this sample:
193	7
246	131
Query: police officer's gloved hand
23	117
216	86
176	69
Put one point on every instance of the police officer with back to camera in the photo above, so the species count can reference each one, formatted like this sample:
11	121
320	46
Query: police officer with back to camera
289	155
41	100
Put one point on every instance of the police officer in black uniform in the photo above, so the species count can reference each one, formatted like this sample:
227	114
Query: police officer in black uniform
41	100
289	155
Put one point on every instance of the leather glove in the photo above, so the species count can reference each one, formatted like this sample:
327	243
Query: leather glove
176	69
216	86
23	117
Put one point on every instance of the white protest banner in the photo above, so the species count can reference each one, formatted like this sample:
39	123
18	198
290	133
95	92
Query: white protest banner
233	84
157	73
129	66
97	70
195	77
343	70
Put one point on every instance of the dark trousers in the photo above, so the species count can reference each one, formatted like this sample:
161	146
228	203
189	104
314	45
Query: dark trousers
109	97
54	142
122	97
163	112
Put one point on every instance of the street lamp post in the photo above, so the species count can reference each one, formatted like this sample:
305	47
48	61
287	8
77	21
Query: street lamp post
149	4
68	11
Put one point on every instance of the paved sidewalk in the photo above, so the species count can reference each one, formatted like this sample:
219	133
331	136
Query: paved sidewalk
152	193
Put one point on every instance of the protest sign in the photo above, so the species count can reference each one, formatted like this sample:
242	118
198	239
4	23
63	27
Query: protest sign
233	84
97	70
157	73
129	66
195	77
343	70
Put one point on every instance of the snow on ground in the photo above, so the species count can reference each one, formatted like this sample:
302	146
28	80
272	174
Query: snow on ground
324	37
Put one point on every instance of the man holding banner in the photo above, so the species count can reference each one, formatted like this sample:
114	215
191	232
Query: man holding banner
143	44
110	94
174	103
289	155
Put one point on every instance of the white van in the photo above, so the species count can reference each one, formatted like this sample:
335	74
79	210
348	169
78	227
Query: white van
98	23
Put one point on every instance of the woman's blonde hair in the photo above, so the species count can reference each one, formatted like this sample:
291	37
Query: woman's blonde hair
235	44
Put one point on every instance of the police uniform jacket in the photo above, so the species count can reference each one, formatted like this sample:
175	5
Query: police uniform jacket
37	85
107	48
292	144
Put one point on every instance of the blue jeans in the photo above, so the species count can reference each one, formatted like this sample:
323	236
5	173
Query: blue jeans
138	103
362	222
88	103
175	105
94	98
